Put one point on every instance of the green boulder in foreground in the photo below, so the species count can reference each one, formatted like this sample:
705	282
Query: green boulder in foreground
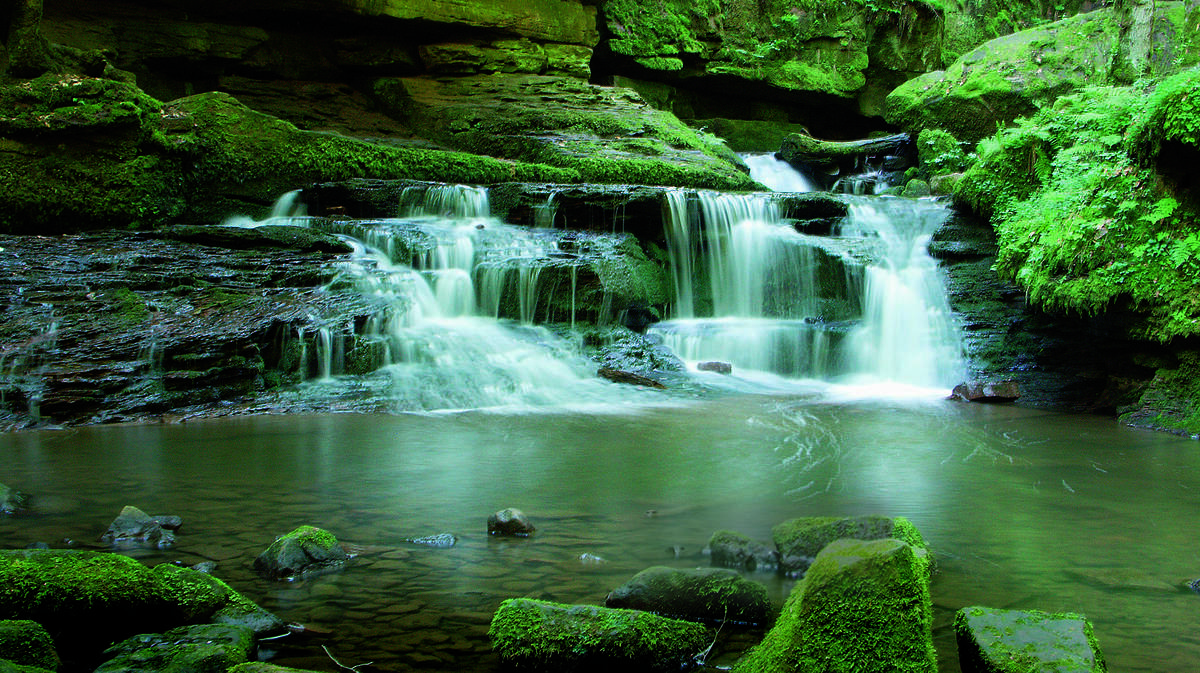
202	647
698	594
543	636
863	607
1017	641
26	643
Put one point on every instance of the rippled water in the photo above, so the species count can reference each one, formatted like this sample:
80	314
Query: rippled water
1024	509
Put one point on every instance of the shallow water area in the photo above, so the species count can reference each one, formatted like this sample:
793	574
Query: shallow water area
1024	509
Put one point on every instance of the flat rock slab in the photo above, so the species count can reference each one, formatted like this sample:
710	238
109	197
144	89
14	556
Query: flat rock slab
1017	641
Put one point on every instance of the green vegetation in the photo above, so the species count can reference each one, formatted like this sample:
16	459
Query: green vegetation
27	643
1091	209
1018	641
800	540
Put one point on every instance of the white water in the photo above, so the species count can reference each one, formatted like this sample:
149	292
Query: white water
776	174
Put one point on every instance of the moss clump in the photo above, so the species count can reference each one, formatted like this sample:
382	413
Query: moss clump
543	636
1089	216
26	643
800	540
939	153
1171	401
1016	641
203	647
864	606
305	549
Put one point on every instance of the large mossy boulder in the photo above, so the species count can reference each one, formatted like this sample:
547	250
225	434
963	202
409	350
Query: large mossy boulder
698	594
863	606
1015	641
800	540
540	636
27	643
114	596
307	549
202	648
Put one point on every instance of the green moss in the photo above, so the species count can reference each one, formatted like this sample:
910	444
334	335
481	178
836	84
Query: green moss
27	643
539	635
800	540
1017	641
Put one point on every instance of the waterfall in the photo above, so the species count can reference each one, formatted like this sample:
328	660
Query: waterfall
776	174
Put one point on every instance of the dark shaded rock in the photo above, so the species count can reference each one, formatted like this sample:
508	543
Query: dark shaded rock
800	540
542	636
1012	641
134	525
698	594
168	521
713	366
830	160
440	541
624	350
201	648
12	501
510	521
864	606
264	667
963	238
206	567
27	643
986	391
638	317
304	550
729	549
620	376
265	236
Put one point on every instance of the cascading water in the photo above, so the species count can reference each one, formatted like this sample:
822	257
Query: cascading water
776	174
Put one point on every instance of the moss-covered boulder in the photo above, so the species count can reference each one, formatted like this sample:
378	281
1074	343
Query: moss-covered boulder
1015	641
698	594
27	643
203	648
9	667
730	549
567	21
114	596
304	550
800	540
541	636
863	606
598	134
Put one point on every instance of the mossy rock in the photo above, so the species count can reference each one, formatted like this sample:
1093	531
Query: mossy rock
264	667
27	643
730	549
114	595
9	667
712	595
800	540
864	606
939	153
1015	641
542	636
204	648
265	236
306	549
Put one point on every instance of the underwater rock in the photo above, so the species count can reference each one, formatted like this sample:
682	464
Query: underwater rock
440	541
1007	641
800	540
12	500
864	606
986	391
304	550
204	647
510	522
729	549
698	594
27	643
541	636
134	525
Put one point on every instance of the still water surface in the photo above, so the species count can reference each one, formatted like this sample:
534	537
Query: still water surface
1024	509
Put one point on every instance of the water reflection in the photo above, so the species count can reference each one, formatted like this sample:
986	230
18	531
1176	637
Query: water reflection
1024	509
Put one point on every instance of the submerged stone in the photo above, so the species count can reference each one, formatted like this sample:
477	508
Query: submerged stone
541	636
441	540
698	594
510	521
134	525
304	550
201	648
729	549
800	540
12	500
27	643
863	606
1014	641
264	667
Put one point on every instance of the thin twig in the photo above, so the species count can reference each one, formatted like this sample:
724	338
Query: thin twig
340	664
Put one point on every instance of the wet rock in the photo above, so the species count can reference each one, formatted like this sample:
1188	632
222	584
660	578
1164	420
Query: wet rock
304	550
718	367
168	521
832	160
12	501
864	606
206	567
511	522
539	635
624	350
800	540
638	317
204	647
134	525
266	236
986	391
440	541
27	643
621	376
729	549
1008	641
699	594
264	667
